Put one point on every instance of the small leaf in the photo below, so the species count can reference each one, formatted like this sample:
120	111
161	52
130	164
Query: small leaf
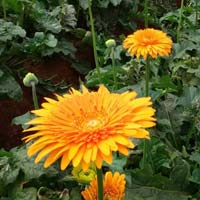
22	119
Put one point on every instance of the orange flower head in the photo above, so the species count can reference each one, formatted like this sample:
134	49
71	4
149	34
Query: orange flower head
113	187
86	127
148	42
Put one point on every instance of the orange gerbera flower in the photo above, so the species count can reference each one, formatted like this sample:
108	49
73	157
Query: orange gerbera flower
113	187
85	128
148	42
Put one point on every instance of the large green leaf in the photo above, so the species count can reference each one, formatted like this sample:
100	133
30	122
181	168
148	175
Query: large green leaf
8	31
45	20
142	184
26	164
68	17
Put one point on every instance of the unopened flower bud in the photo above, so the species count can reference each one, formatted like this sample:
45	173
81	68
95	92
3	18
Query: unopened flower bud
29	79
84	176
110	43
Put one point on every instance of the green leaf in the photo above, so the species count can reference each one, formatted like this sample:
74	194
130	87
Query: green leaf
83	4
75	194
115	2
25	194
195	176
180	173
5	153
151	193
68	18
51	41
166	83
190	96
63	46
9	87
22	119
47	21
119	161
27	165
8	31
8	174
195	157
142	184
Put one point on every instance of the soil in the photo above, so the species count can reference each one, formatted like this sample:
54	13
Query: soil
59	69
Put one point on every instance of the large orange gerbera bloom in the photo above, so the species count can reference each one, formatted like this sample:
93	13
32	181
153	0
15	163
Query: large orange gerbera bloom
113	187
148	42
85	128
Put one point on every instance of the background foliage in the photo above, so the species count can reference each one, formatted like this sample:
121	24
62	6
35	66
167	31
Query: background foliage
40	29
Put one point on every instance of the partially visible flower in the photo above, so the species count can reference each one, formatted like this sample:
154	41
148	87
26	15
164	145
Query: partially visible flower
84	176
110	43
113	187
148	42
29	79
85	128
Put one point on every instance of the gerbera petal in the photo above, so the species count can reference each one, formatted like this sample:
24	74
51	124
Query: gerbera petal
78	157
104	148
64	161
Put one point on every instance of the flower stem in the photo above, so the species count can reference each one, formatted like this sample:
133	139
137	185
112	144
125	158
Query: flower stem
114	69
146	144
196	15
94	39
146	13
180	21
34	94
4	9
100	184
147	72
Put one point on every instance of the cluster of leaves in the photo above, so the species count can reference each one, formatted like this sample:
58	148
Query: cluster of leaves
32	30
21	179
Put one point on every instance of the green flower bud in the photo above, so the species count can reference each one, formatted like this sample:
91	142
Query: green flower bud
84	176
110	43
29	79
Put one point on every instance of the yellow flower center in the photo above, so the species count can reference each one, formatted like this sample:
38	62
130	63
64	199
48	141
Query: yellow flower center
93	123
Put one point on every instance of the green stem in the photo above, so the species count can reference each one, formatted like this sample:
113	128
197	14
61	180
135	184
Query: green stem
94	40
4	9
21	16
147	73
196	17
100	184
180	21
190	133
114	69
145	13
34	95
146	144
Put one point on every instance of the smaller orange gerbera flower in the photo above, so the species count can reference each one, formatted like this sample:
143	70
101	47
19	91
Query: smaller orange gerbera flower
146	42
113	187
